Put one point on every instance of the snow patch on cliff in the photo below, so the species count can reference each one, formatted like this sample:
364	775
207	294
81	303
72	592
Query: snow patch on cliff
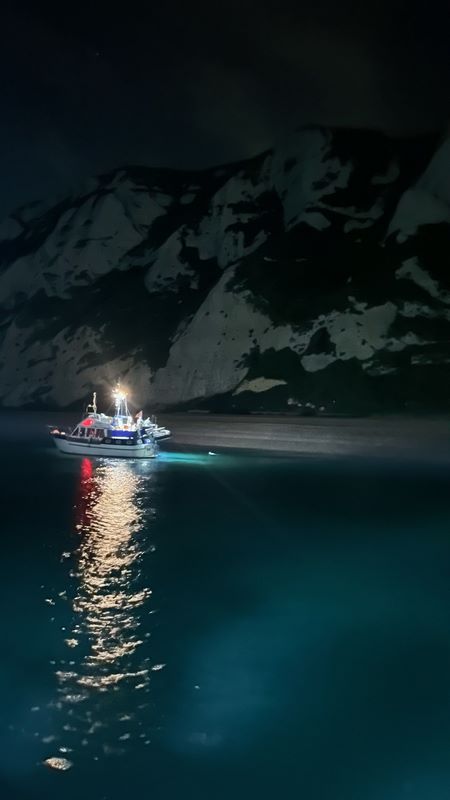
258	385
417	207
412	270
317	361
303	173
428	202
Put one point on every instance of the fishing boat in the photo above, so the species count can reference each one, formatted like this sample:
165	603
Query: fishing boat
117	436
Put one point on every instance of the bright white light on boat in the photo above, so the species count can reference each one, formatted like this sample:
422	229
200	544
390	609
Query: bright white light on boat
120	395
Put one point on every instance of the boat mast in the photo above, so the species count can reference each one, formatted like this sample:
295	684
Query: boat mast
120	400
91	408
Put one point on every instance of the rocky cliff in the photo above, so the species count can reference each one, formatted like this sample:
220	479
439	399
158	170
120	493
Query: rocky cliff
315	276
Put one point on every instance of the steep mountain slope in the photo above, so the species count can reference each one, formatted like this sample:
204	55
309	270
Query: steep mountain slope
313	276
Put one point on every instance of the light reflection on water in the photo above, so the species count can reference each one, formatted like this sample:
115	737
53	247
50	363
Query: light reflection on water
105	651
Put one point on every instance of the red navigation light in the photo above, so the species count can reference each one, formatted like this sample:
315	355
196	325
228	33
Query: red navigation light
87	423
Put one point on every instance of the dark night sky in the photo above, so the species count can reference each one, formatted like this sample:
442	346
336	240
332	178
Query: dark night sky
86	88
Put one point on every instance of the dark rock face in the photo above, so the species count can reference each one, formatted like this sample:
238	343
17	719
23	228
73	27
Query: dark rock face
312	277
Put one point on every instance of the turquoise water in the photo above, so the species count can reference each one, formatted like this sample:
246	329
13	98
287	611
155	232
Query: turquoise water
223	626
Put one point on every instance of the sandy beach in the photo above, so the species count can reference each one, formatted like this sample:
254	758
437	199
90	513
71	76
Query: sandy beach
386	437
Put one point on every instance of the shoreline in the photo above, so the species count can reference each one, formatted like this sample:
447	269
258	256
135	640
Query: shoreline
412	438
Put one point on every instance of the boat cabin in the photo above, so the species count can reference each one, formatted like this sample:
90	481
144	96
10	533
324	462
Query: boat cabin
102	430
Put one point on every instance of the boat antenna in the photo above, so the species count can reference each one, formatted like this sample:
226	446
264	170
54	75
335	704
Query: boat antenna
92	407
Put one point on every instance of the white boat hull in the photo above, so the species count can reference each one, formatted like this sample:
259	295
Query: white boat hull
91	448
161	436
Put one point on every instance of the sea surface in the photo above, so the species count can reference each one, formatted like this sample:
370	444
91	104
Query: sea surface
222	626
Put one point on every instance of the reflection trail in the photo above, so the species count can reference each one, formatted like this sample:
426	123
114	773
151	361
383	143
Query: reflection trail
110	597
